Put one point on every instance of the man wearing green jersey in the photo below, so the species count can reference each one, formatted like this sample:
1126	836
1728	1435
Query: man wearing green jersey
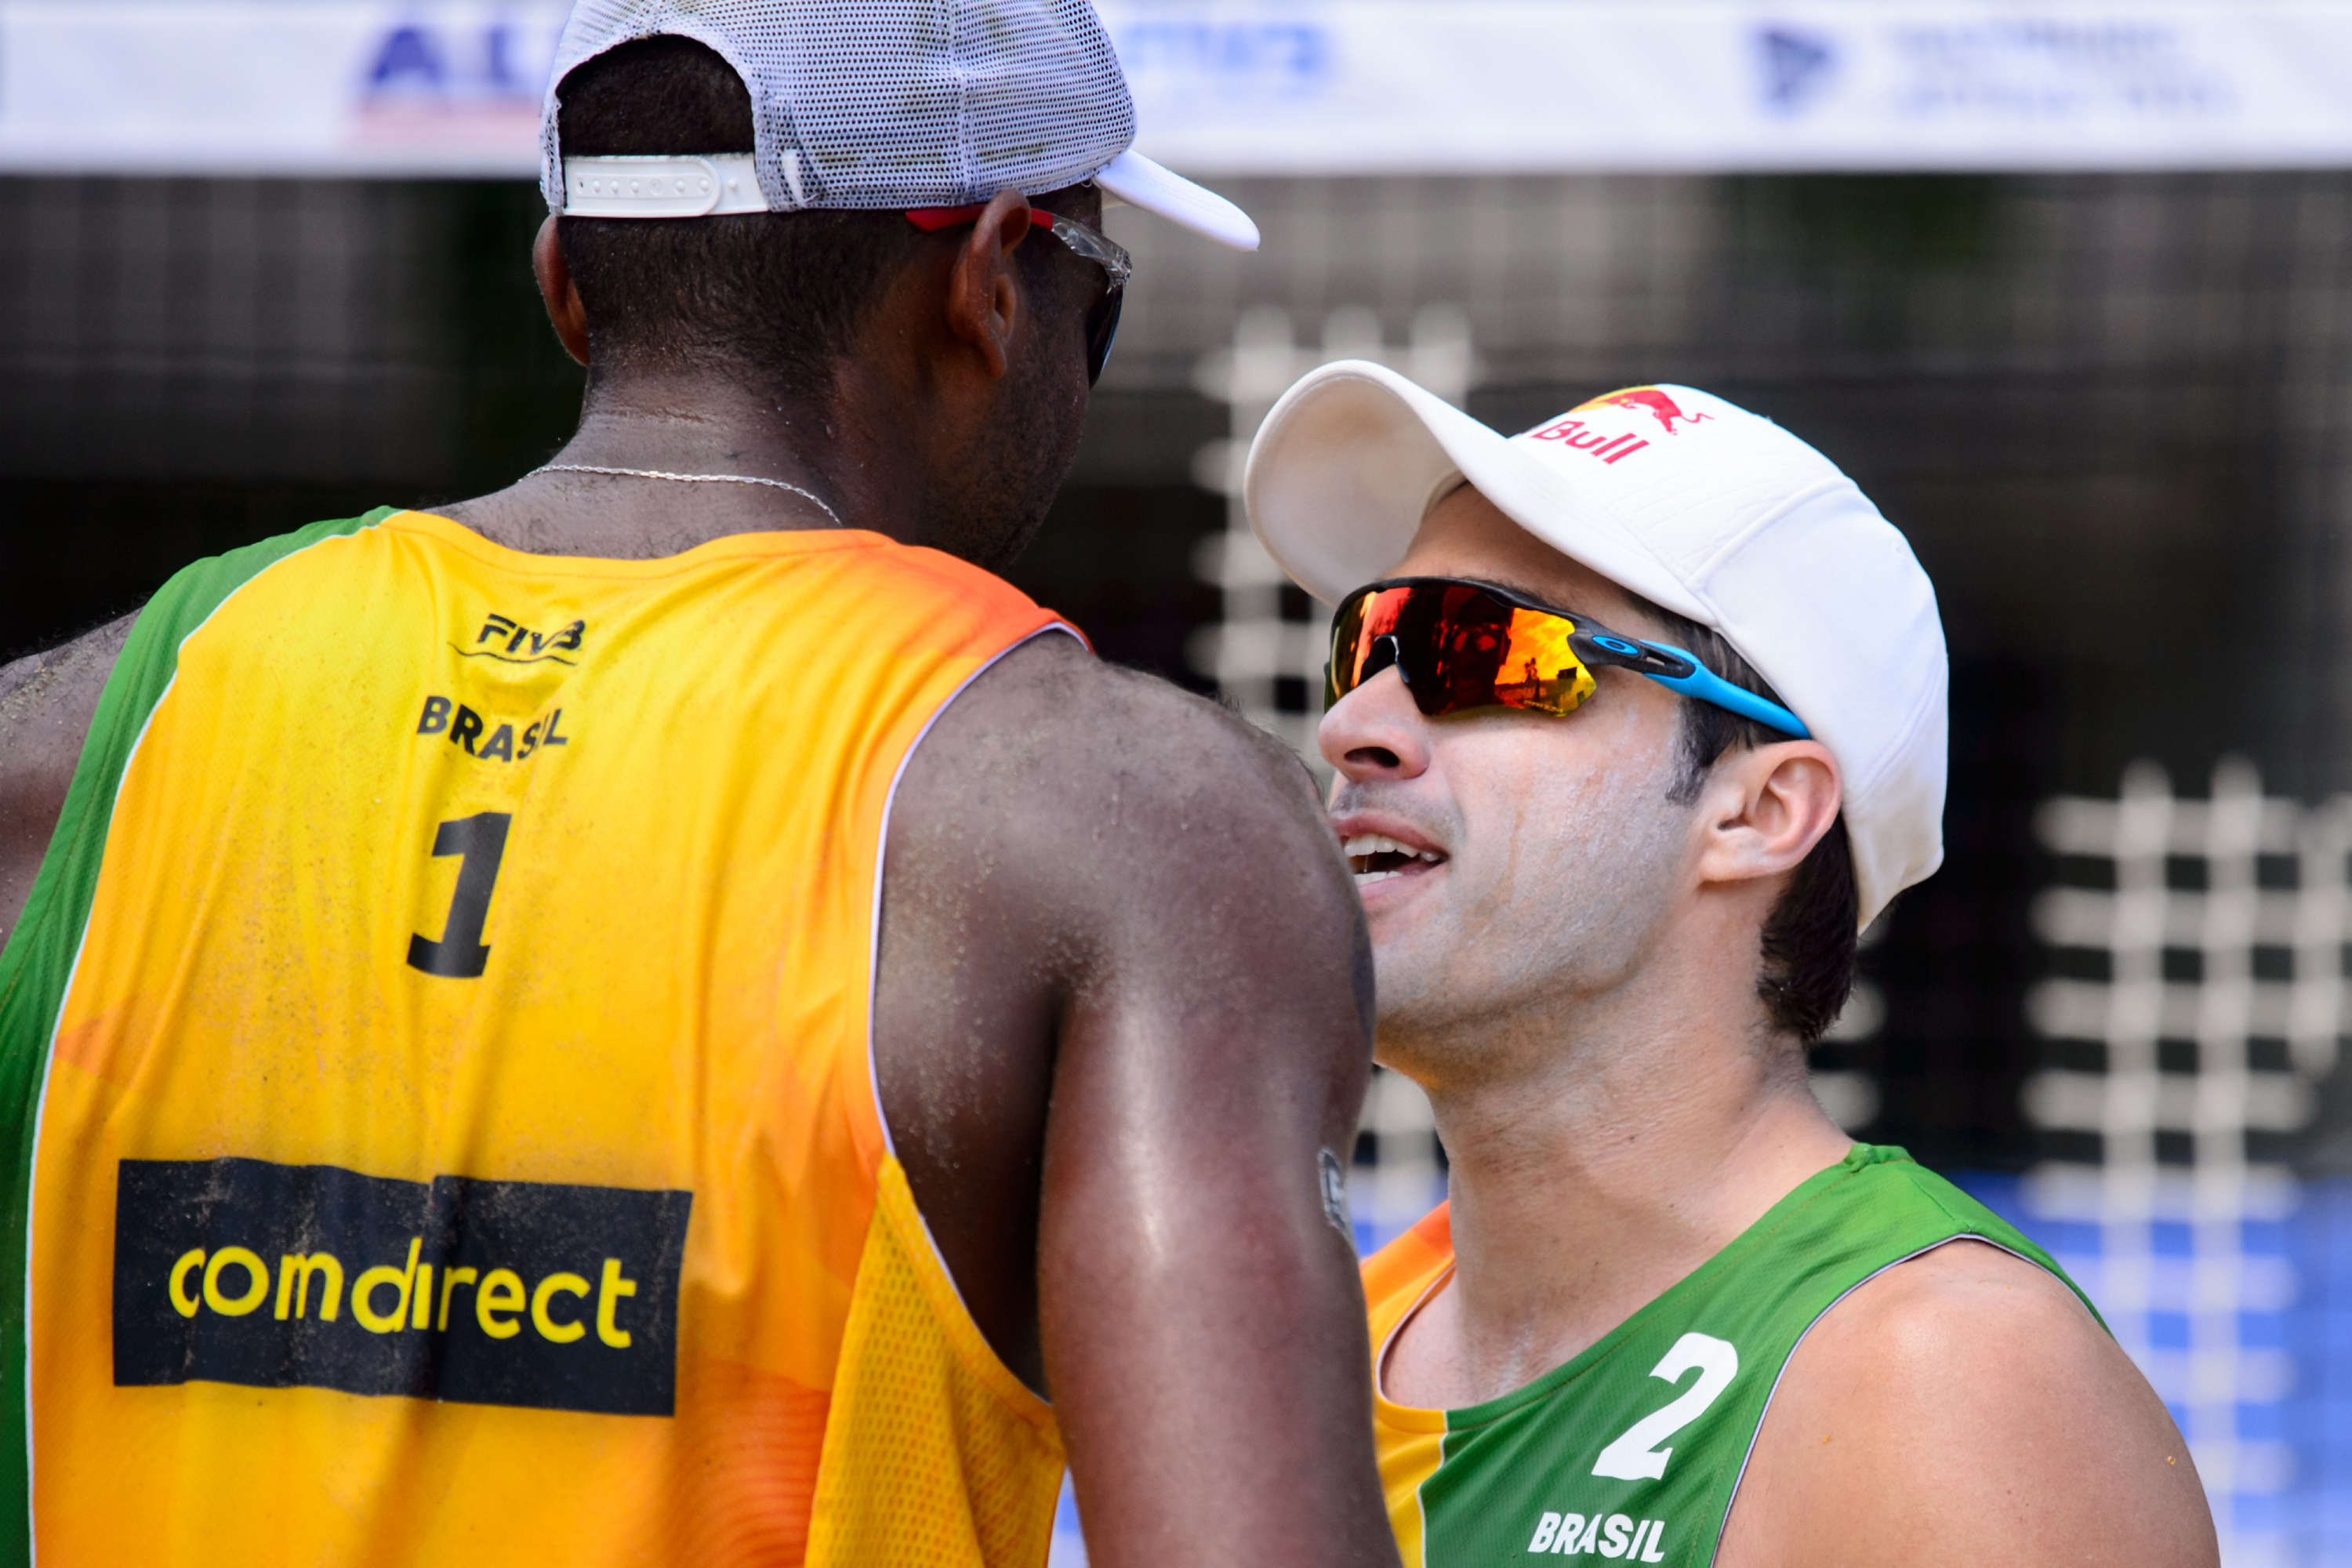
1639	717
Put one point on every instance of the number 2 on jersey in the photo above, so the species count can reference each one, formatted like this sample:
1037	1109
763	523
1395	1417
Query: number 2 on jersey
460	953
1636	1456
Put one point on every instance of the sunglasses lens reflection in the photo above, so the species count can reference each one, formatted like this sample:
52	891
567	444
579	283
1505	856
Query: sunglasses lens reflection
1459	649
1344	669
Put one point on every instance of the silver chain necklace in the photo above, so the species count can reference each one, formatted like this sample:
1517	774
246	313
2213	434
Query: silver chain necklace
692	479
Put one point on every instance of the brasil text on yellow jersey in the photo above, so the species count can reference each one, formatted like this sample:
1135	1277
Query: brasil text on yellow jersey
436	1052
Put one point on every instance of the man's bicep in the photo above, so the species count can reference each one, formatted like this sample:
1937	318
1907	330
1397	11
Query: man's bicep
1079	855
1203	1323
1224	999
1220	963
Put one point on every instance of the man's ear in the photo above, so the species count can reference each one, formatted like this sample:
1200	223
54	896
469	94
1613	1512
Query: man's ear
984	302
569	317
1766	808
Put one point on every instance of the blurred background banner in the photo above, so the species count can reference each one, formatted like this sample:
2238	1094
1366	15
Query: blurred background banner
1278	87
2067	288
274	86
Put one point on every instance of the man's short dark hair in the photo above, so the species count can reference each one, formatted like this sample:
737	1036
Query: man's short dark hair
1808	937
782	294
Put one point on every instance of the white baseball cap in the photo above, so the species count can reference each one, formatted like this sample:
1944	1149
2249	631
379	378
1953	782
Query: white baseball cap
1699	506
882	104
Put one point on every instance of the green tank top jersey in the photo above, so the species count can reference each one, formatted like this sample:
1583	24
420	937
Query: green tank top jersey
1633	1450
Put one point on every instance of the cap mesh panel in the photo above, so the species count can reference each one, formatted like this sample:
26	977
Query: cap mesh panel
890	103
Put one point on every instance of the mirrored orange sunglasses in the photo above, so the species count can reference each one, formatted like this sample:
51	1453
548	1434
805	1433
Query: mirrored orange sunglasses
1461	645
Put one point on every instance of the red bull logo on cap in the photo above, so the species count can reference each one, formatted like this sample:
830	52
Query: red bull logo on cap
1610	447
1599	444
1659	407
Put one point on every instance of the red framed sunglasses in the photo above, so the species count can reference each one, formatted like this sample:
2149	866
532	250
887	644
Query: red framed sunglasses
1091	245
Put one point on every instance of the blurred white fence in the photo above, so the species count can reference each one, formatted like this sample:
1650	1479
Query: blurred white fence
2207	998
1266	660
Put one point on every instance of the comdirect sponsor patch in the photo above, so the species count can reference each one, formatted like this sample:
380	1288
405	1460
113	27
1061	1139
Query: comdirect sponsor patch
523	1293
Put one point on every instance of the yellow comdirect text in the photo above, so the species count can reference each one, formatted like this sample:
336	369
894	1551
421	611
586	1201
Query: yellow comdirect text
234	1281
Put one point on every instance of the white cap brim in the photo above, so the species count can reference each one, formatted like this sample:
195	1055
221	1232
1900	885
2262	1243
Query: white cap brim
1140	182
1353	456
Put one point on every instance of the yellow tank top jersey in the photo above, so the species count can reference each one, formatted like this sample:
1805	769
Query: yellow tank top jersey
439	1032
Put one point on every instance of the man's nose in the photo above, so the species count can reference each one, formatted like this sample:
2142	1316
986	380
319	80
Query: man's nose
1375	731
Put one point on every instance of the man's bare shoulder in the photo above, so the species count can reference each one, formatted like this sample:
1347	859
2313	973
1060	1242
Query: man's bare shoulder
27	682
1106	898
1966	1407
1107	743
1072	810
45	704
1062	685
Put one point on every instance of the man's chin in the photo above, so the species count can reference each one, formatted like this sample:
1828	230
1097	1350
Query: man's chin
1416	978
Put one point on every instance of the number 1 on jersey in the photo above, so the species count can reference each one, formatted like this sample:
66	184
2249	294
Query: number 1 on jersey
460	953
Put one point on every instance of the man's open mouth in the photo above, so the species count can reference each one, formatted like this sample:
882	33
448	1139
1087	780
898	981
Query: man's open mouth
1375	858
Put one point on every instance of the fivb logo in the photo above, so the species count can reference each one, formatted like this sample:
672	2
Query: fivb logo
507	638
528	1293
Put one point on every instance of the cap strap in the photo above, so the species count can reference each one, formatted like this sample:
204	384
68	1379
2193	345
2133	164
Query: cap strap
662	188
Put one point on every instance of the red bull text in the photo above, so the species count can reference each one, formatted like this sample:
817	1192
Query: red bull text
1571	430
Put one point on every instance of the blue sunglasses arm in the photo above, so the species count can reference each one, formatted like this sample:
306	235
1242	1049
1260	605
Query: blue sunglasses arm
1708	687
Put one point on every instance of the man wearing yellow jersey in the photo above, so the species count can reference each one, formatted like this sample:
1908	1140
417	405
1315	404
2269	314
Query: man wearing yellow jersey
1638	716
656	1015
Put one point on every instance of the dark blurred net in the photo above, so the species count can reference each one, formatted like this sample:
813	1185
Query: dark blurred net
188	364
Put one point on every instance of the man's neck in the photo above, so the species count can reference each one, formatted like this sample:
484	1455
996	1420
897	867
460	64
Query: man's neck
1644	1138
698	425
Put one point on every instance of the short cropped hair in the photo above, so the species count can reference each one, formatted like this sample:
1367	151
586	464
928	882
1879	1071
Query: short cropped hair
781	294
1810	936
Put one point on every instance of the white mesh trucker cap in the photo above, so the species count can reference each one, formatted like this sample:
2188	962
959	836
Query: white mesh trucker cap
1695	504
884	104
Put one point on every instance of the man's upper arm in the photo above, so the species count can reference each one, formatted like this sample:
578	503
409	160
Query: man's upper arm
1204	1326
1965	1409
46	705
1093	860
